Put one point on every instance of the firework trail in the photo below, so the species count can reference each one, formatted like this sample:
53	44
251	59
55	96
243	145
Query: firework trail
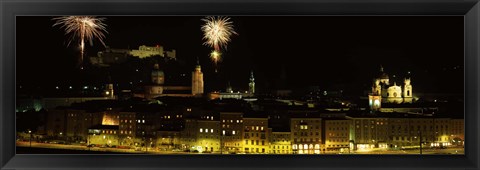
83	28
216	33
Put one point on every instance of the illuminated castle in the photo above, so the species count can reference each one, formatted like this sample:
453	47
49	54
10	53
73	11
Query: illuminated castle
383	91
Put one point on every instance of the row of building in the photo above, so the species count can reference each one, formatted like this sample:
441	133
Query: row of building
157	127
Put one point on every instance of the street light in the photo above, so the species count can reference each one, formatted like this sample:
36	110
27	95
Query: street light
30	133
420	132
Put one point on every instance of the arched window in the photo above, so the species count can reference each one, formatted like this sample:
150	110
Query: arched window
394	94
408	92
388	94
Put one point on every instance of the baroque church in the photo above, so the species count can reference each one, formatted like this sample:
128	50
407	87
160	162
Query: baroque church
385	90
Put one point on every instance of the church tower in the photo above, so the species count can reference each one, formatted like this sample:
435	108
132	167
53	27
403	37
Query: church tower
158	77
251	85
407	91
197	80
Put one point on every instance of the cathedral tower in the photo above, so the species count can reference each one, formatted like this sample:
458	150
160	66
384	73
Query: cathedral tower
407	91
158	76
197	80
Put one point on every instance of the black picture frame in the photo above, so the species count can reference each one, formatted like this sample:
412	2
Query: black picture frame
470	9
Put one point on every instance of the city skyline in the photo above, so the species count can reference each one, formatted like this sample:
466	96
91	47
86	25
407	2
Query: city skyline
240	85
427	47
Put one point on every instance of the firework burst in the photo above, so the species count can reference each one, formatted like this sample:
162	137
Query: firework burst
216	33
83	28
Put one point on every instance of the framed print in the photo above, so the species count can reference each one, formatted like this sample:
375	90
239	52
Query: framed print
239	85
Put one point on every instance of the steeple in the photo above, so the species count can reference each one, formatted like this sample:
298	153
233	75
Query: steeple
197	80
229	88
251	85
198	67
252	79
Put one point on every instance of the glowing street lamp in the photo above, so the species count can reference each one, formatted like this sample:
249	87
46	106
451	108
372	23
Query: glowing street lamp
30	133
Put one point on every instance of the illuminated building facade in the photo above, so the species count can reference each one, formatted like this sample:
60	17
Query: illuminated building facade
208	136
458	131
337	134
127	128
306	135
103	135
256	135
168	140
368	133
280	143
385	91
232	131
149	51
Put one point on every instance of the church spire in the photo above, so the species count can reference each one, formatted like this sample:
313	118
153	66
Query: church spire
251	85
252	79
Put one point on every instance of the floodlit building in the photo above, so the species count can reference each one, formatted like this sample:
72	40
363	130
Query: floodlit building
368	133
127	128
208	136
149	51
232	131
306	135
197	80
103	135
256	135
384	91
280	143
168	140
337	135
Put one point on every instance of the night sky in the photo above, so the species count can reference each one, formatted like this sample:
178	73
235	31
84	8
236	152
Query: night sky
331	52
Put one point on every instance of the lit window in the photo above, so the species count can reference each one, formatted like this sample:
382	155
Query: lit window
256	128
201	130
238	121
211	130
261	128
143	121
233	132
223	132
